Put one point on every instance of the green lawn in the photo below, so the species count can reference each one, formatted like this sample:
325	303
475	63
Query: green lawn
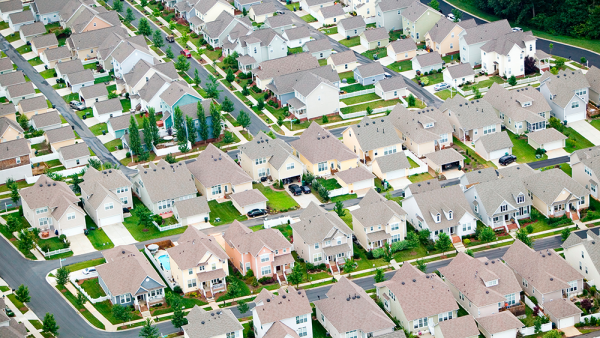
225	211
53	243
361	98
286	230
420	177
24	49
17	303
472	153
330	184
277	200
73	300
90	66
580	141
488	83
308	18
86	264
105	308
354	41
381	53
36	323
112	144
13	37
522	150
330	30
98	128
446	94
71	97
141	234
102	79
126	103
342	198
98	237
349	76
373	105
433	78
322	62
93	288
48	73
401	66
295	50
318	330
36	61
356	88
3	25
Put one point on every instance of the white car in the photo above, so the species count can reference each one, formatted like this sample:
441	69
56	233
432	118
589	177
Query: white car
517	29
89	271
441	86
451	17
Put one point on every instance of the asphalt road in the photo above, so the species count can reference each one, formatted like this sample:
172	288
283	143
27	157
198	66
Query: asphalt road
549	162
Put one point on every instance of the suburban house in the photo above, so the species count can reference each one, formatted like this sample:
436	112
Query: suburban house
481	286
563	313
6	65
162	184
221	323
15	160
147	82
389	13
419	301
543	275
216	32
427	62
287	314
9	327
118	126
443	36
84	46
10	79
555	193
9	7
106	109
547	139
505	54
361	316
356	180
78	80
378	221
245	4
584	164
444	160
259	13
441	210
248	200
104	195
92	94
216	175
369	140
44	42
472	39
459	327
369	73
322	237
177	94
18	19
52	206
392	88
46	121
297	36
129	279
391	167
210	11
567	94
493	146
192	211
75	155
581	253
343	62
313	6
418	19
198	263
470	120
279	23
374	38
423	131
261	45
322	153
126	54
520	110
502	324
402	49
60	137
459	74
48	11
330	15
10	130
264	157
266	252
267	70
18	92
30	31
352	26
500	203
593	78
53	56
321	49
65	68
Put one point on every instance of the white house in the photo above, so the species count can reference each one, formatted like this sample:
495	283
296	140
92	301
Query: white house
505	55
472	39
459	74
567	94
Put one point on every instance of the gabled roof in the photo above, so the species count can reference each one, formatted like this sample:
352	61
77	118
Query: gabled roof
276	151
392	5
487	31
472	114
509	102
392	83
263	8
55	195
416	10
83	76
495	141
216	27
562	86
460	70
11	6
279	21
21	89
111	179
208	324
167	181
311	3
353	22
93	39
320	45
15	148
285	305
403	45
60	134
54	54
376	34
176	91
547	185
317	144
392	162
439	201
376	210
94	91
286	65
74	151
264	36
590	241
317	225
37	28
296	33
5	63
119	122
373	134
309	82
45	41
459	327
21	17
444	156
412	122
504	43
46	119
193	246
497	192
214	167
12	78
205	6
561	308
443	27
248	197
429	59
49	6
370	69
34	103
499	322
68	67
108	106
343	57
244	240
192	207
546	135
593	78
127	47
142	67
332	11
6	123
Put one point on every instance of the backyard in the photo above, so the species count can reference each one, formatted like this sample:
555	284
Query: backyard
141	233
433	79
225	211
355	41
372	105
522	150
277	200
401	66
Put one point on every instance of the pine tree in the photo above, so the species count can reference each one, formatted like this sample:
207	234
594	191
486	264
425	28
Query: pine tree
197	79
144	27
169	53
14	193
339	209
153	126
243	119
203	126
49	325
157	39
191	130
147	132
178	318
230	77
215	114
179	125
149	330
135	144
13	224
211	87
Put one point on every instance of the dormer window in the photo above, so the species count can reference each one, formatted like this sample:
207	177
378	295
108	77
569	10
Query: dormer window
450	214
503	208
526	104
520	199
438	218
491	283
428	125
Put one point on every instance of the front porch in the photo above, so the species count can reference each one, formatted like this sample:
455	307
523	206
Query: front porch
283	265
569	207
144	300
378	239
211	282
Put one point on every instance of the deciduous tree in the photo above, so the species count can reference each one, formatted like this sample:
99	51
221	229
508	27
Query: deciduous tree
243	119
62	276
157	39
49	324
443	243
144	27
22	294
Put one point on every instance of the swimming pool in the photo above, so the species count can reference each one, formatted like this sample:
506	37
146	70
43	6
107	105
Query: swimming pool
166	263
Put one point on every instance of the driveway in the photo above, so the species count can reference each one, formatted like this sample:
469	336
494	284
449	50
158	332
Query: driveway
119	234
388	60
304	199
586	130
359	49
337	36
80	244
557	153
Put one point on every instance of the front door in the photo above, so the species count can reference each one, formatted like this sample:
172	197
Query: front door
506	217
451	230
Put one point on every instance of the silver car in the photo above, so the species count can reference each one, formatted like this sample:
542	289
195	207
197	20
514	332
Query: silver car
441	86
77	105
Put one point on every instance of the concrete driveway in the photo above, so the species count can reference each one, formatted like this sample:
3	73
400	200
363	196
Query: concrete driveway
586	130
337	36
557	153
119	234
80	244
359	49
304	199
388	60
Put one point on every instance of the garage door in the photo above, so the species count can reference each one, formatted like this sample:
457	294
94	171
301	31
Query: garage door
111	220
566	322
553	145
73	231
576	117
396	174
363	185
498	153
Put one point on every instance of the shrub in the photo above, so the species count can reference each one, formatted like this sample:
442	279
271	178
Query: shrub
266	280
467	241
177	289
377	253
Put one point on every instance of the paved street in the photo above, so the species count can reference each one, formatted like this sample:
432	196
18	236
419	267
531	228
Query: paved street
549	162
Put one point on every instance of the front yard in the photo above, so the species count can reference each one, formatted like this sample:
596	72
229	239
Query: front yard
355	41
92	288
380	52
522	150
225	211
433	79
401	66
277	200
373	105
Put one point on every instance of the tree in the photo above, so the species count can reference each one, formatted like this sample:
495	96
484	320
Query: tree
149	330
512	81
129	17
169	53
564	234
121	313
553	334
157	39
147	132
243	119
94	163
349	265
230	77
22	294
551	47
379	276
191	129
62	275
179	125
244	11
260	103
23	121
144	216
185	38
26	240
486	235
178	316
295	277
530	67
144	27
81	299
243	307
424	236
412	240
153	126
143	3
435	5
245	91
49	325
522	236
170	159
182	64
339	209
457	14
112	95
469	252
14	193
227	105
211	87
421	265
280	120
13	223
215	115
197	79
443	243
387	252
203	126
369	110
583	60
117	5
412	101
135	144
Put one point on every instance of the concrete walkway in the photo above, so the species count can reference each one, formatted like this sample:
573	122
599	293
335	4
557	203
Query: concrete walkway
89	307
586	130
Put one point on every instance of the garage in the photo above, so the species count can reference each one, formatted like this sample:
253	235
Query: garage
493	146
566	322
391	167
191	211
248	200
444	160
392	175
355	179
72	231
562	312
111	220
576	117
548	139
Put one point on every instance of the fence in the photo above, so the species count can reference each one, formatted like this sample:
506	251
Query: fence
52	253
269	223
364	112
169	150
92	300
583	318
36	140
529	303
422	168
528	331
358	93
44	158
158	267
483	90
338	192
69	172
167	227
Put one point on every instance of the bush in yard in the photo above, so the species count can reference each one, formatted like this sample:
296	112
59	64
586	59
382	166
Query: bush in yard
22	294
467	241
411	100
245	91
377	253
512	81
261	104
564	234
522	236
421	265
487	235
443	243
424	236
469	252
177	289
324	193
369	110
325	119
49	324
266	280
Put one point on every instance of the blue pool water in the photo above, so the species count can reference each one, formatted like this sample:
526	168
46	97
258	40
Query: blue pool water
164	260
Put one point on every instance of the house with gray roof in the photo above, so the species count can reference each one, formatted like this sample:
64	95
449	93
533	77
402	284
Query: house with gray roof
212	324
191	110
427	62
356	180
215	32
343	62
472	177
69	67
297	36
192	211
6	65
391	167
402	49
499	324
505	54
21	91
313	6
104	110
369	73
321	49
74	155
10	130
48	11
593	78
60	137
92	94
279	23
330	15
352	26
78	80
260	12
471	119
443	36
126	55
18	19
256	47
548	139
86	45
118	125
46	121
389	13
444	160
9	7
472	39
177	94
9	327
9	79
441	210
249	200
267	70
391	88
459	327
378	221
129	279
374	38
567	93
582	254
286	314
494	145
104	194
51	57
245	4
264	157
585	166
418	19
15	160
204	12
372	138
43	42
30	31
460	74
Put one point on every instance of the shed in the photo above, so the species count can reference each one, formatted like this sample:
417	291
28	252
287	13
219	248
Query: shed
548	139
248	200
427	62
493	146
192	211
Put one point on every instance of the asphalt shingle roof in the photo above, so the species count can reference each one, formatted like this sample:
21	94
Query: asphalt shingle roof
564	85
213	167
487	31
37	28
317	144
495	141
430	59
46	119
472	114
376	34
208	324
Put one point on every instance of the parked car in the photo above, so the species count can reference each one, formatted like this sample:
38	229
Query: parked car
186	53
517	29
450	17
295	189
387	75
170	38
441	86
77	105
280	12
507	159
9	312
257	212
306	189
88	271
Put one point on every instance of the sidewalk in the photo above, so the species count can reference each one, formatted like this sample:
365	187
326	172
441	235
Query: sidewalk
89	307
20	317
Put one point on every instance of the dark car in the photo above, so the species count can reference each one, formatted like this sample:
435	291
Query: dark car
257	212
507	159
305	189
295	189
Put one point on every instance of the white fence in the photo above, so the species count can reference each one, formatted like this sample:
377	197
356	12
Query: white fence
169	150
338	192
36	140
528	331
422	168
98	74
364	112
69	172
358	93
269	223
583	318
92	300
529	303
483	90
52	253
158	267
167	227
44	158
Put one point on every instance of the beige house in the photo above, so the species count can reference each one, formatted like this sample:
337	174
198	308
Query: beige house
44	42
343	62
581	254
75	155
220	323
264	157
322	153
548	139
60	137
287	314
374	38
259	13
563	312
198	263
586	169
593	78
52	57
33	106
422	131
378	221
191	211
391	88
460	327
10	130
313	6
52	206
248	200
85	45
330	15
267	70
372	138
493	146
104	194
418	19
216	175
503	324
391	167
419	301
444	159
471	120
402	49
443	36
356	180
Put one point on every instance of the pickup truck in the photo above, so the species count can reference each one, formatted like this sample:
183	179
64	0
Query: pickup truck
170	38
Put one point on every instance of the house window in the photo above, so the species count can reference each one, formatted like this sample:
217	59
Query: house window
461	296
346	66
438	218
582	256
443	138
45	221
316	245
260	160
582	200
265	270
466	227
525	284
580	92
317	257
451	45
352	334
41	210
476	208
392	149
511	299
201	268
290	166
191	283
18	160
322	166
575	104
396	238
216	190
450	214
489	129
588	171
444	316
190	271
503	208
419	323
164	204
70	216
520	199
302	332
530	48
264	258
301	319
395	226
124	200
572	286
108	206
230	335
